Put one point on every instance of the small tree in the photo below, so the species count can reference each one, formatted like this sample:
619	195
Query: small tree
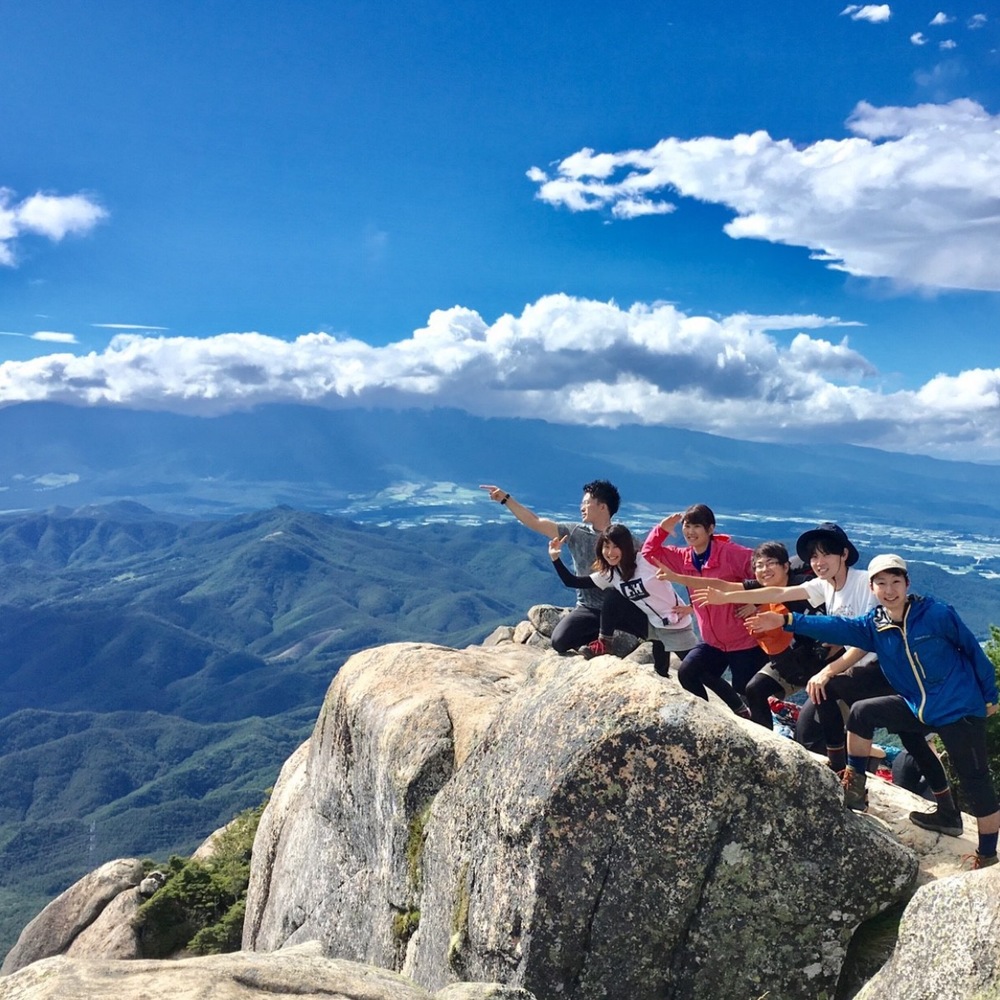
201	906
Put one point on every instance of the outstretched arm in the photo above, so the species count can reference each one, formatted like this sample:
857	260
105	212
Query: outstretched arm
570	579
761	595
527	517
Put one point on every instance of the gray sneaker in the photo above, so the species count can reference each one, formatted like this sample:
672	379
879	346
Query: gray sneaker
948	824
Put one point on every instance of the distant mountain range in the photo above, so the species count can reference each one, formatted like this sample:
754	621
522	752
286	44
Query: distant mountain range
157	670
387	465
176	593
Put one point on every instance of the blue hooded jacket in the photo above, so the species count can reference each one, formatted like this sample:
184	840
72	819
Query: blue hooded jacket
931	658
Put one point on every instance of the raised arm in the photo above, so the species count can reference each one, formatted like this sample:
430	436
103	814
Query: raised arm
527	517
568	578
655	549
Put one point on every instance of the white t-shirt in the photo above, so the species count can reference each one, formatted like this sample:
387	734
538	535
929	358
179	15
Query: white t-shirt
657	598
854	599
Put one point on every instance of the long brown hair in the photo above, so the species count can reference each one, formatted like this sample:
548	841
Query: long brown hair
620	536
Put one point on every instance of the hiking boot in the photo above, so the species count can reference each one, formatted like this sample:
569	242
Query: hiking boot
855	793
744	710
592	649
946	823
977	860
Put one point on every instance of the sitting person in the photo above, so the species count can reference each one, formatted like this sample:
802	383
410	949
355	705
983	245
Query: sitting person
791	660
941	681
848	675
725	642
637	602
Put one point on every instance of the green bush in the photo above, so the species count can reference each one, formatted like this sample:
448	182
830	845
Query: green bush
201	906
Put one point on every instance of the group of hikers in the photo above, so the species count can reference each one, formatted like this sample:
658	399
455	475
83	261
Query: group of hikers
868	652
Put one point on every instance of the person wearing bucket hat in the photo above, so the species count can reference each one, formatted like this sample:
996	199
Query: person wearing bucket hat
941	682
849	674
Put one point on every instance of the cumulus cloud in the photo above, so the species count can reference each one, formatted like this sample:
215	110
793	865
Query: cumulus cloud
977	21
54	337
947	44
911	196
563	359
49	215
918	38
876	13
941	18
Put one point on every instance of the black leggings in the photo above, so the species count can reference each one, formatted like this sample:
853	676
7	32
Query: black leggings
704	666
576	629
622	615
760	688
964	739
861	682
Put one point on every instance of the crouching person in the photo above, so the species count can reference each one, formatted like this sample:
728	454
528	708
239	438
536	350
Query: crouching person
945	683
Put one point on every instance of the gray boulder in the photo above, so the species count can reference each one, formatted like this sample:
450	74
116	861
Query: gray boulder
949	943
55	929
576	829
342	862
302	973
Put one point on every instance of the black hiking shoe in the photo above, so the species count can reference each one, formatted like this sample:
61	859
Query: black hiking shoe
948	824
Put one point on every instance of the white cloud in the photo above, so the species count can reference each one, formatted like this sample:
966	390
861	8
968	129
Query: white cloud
54	480
941	18
977	21
911	196
876	13
54	337
948	43
562	359
49	215
918	38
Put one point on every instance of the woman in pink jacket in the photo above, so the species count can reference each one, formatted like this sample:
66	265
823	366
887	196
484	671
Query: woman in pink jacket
725	641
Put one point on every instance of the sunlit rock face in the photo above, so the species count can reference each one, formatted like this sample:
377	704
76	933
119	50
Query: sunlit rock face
580	829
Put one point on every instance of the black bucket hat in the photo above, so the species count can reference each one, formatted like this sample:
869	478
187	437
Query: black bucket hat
834	539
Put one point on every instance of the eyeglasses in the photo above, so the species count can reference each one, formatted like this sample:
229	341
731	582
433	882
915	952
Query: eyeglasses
767	563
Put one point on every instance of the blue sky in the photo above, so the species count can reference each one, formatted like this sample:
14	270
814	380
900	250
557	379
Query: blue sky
589	213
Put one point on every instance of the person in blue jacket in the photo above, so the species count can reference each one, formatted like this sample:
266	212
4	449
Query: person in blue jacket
944	683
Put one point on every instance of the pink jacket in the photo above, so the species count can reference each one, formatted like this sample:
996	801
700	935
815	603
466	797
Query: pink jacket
717	623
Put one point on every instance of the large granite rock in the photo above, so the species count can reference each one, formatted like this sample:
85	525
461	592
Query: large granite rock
576	829
341	862
302	973
69	915
949	943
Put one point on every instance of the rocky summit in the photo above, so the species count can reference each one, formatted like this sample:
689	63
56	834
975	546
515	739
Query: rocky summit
502	823
578	829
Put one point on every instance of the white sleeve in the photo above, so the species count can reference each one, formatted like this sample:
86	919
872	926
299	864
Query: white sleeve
815	591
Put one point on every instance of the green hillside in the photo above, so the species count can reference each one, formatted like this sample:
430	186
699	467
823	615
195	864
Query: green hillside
158	670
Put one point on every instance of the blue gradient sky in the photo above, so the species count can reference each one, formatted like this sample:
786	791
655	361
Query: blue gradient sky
343	203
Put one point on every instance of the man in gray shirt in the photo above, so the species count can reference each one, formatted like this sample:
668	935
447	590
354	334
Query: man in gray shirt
599	505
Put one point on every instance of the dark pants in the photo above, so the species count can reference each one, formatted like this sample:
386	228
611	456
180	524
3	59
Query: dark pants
576	629
760	688
964	739
622	615
704	666
857	684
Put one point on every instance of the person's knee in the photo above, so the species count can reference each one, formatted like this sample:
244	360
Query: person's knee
860	722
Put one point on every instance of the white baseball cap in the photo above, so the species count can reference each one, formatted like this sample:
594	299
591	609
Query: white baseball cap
888	561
